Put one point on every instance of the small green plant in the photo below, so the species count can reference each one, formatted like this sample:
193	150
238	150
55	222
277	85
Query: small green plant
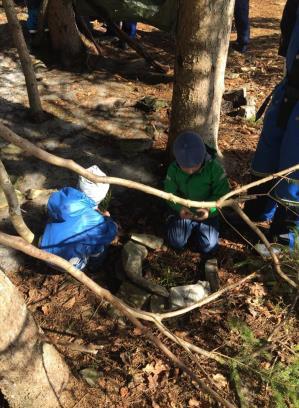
104	204
283	379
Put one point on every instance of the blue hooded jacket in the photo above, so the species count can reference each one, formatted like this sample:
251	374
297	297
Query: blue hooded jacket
75	228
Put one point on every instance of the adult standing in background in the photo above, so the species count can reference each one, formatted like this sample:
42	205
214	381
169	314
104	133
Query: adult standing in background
241	14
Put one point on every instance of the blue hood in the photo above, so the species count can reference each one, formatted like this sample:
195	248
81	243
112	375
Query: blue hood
67	203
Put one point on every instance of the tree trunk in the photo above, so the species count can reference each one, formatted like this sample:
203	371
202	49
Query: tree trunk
65	36
31	83
33	374
201	51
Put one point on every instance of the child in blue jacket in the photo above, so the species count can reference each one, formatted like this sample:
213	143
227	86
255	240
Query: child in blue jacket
77	231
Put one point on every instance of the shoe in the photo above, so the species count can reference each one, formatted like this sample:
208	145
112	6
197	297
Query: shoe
211	274
241	48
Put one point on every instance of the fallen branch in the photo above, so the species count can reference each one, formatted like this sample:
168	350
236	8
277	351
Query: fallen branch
138	48
14	206
33	150
23	246
204	301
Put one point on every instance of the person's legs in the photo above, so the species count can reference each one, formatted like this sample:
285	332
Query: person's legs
241	13
207	235
261	208
33	10
178	231
129	28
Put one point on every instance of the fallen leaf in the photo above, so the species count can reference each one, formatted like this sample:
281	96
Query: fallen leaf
70	303
193	402
46	309
220	380
137	331
124	392
90	375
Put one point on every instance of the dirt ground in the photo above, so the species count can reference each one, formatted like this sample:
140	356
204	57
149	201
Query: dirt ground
92	119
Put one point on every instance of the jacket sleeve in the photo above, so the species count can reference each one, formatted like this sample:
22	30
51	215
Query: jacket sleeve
219	184
170	186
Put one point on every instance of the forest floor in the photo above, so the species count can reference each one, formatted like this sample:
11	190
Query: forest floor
92	119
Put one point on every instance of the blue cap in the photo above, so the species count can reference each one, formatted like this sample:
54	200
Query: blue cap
189	149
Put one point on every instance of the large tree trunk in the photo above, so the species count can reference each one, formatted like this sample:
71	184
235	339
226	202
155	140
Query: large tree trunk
31	83
32	373
65	36
201	51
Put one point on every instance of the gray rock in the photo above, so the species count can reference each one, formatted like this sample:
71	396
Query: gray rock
183	296
237	97
248	111
133	295
11	260
151	241
132	257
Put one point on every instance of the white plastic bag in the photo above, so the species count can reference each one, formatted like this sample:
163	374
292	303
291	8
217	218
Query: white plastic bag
96	191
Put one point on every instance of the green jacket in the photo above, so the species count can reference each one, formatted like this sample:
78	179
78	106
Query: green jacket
208	184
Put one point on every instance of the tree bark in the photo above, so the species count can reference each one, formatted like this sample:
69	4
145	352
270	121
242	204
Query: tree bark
31	83
65	36
202	41
33	374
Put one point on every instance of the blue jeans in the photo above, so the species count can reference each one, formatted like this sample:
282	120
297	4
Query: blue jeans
127	26
241	14
206	233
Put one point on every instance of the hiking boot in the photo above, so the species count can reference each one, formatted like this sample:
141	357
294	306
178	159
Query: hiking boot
211	274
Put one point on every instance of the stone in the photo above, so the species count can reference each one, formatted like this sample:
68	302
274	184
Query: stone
132	257
34	193
158	304
247	111
151	241
211	274
150	104
183	296
133	295
11	149
11	261
237	97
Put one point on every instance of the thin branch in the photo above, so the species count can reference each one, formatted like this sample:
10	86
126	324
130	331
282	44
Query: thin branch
263	238
206	300
256	183
14	206
21	245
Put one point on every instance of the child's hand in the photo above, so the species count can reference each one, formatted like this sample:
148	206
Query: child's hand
185	213
201	214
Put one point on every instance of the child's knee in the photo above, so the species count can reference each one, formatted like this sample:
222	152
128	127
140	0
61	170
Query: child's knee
210	245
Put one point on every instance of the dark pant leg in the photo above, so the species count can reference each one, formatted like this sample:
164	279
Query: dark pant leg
207	235
129	28
241	14
178	231
286	219
261	208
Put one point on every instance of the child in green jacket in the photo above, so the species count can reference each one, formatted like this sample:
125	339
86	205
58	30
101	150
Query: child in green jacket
196	175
